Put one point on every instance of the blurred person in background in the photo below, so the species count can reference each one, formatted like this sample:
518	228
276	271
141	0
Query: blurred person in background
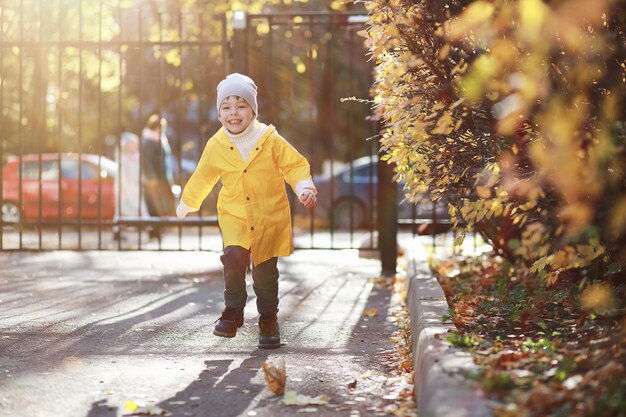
157	170
129	200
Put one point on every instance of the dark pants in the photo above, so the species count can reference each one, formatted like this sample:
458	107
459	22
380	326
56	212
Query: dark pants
265	280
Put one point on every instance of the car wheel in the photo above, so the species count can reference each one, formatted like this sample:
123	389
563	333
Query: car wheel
11	213
347	209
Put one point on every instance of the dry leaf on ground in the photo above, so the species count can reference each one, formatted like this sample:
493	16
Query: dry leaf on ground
371	312
293	398
275	376
140	408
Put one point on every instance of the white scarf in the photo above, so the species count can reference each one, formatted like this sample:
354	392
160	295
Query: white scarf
246	140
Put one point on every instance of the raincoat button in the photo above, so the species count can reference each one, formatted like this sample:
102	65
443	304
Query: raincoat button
257	149
252	228
247	198
231	148
245	170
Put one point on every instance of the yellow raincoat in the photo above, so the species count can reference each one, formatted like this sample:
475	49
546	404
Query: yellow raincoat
252	207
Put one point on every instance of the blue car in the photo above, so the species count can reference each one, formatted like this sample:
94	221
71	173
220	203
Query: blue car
353	201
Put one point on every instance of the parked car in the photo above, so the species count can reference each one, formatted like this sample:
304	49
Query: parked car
353	201
51	191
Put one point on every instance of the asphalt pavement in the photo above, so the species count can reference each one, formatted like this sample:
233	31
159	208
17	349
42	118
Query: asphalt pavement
90	333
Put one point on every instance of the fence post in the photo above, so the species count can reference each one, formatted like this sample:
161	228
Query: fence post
387	191
239	47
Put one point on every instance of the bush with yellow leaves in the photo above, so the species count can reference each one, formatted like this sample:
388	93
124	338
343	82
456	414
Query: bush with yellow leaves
512	109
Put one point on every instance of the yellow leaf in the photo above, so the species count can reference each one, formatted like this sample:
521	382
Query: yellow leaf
140	408
188	85
496	207
444	52
597	297
337	5
551	278
457	103
438	106
563	258
483	192
577	217
130	406
484	68
475	15
618	216
532	15
371	312
444	124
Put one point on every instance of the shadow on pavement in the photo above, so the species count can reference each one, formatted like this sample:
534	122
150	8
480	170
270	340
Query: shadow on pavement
86	316
102	409
217	392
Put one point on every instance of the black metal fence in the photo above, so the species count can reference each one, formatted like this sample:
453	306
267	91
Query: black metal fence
81	80
78	78
316	75
308	64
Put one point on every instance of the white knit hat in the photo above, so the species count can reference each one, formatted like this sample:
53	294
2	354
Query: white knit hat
238	85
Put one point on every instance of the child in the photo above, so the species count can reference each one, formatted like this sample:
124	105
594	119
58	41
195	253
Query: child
253	162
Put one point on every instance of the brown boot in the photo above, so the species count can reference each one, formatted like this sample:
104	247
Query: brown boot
269	333
229	322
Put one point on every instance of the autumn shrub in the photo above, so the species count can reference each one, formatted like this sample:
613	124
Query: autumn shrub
512	110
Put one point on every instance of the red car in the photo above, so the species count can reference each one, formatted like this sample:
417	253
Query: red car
41	179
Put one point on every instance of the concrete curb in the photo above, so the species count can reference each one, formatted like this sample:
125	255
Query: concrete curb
440	388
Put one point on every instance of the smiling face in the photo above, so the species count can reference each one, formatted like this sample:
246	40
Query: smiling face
235	114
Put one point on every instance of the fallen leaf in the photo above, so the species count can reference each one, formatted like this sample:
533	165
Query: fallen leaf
572	382
130	406
606	373
407	365
352	384
370	312
597	297
293	398
140	408
275	376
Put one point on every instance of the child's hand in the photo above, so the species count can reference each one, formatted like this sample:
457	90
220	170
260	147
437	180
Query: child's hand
182	210
308	198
